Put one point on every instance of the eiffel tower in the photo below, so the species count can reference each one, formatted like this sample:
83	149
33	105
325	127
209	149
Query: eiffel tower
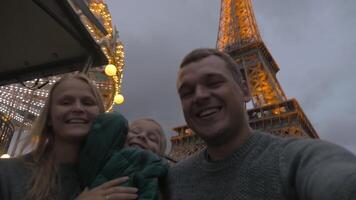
272	111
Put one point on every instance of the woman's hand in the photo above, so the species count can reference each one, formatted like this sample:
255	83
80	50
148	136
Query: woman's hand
110	191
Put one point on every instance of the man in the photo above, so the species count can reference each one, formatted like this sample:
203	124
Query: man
239	163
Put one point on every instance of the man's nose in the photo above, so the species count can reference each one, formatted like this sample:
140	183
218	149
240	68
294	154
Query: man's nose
201	93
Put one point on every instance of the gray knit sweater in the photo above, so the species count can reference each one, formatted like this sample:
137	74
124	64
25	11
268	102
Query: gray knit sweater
14	179
268	168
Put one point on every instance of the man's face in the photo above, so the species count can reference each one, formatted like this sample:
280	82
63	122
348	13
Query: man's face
144	134
212	101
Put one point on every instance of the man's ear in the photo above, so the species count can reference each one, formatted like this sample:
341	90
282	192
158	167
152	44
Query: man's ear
245	91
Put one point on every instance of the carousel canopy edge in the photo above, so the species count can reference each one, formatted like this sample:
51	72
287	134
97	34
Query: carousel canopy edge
46	37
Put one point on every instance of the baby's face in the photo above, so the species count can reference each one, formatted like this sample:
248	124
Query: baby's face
144	134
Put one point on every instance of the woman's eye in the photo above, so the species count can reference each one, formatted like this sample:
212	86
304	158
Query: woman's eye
65	102
89	102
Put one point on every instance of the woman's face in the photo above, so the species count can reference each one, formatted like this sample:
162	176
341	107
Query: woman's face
73	108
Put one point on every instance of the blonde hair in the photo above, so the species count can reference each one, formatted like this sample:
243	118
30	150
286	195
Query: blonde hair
163	139
46	185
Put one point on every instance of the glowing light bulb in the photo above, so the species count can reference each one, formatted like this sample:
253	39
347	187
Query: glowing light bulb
110	70
119	99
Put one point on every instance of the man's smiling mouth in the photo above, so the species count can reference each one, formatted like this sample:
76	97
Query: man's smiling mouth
207	112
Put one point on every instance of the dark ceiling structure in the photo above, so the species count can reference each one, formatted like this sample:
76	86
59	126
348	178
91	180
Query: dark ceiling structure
40	38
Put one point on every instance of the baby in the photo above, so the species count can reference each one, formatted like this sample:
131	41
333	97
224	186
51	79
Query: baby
147	134
112	151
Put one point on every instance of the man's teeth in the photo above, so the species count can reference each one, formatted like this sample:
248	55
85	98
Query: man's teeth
208	112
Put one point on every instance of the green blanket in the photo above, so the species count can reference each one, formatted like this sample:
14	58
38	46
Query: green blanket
103	158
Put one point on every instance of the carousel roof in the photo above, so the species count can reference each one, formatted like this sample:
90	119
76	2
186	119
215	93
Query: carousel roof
40	38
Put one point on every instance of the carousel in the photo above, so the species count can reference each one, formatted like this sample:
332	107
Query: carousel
42	41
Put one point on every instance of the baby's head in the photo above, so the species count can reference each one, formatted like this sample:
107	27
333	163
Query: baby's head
147	134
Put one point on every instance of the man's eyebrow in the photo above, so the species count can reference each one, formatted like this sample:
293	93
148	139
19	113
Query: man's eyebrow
213	75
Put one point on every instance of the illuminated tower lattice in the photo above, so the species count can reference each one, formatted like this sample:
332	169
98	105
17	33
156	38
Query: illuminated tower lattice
272	111
21	103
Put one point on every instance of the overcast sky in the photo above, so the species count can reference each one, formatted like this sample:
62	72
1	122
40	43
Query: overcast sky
313	42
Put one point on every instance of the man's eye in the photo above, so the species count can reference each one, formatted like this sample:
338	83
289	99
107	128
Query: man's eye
185	93
215	83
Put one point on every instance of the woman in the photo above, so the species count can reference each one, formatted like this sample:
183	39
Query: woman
49	171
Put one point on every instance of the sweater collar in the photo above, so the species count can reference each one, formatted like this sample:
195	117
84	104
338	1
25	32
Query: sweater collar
235	159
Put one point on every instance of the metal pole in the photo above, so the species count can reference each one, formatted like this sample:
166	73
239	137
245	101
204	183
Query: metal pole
88	64
17	141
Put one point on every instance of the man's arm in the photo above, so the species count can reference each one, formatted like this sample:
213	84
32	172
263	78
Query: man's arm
315	170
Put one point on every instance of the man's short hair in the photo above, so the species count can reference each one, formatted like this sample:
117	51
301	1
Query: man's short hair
198	54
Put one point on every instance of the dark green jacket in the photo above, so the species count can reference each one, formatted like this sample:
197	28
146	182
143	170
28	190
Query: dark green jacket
103	158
